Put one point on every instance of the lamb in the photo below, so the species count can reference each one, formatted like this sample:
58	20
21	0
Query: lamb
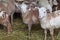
4	20
4	15
29	14
49	21
10	6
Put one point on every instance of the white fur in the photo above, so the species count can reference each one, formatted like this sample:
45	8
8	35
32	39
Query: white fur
49	7
41	12
45	3
29	9
49	23
57	12
23	7
1	13
55	22
34	18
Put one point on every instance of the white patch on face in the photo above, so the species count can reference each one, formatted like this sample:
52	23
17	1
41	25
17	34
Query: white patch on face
1	13
23	7
42	12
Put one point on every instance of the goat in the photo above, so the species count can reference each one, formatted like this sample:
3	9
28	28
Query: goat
4	14
49	21
10	6
29	14
55	3
4	20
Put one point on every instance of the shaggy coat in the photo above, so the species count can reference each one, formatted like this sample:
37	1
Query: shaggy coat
49	21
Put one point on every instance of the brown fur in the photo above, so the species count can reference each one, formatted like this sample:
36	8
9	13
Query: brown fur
51	15
4	20
29	15
9	8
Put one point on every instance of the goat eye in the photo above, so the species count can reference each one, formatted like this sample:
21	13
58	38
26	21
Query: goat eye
44	12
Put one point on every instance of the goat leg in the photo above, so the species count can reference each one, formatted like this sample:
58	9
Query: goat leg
29	29
11	18
45	31
51	33
9	28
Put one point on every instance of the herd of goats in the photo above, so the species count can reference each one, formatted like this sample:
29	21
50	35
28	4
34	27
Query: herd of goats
32	13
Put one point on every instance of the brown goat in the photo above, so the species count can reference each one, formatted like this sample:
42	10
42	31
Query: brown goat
4	20
30	18
10	6
5	16
29	14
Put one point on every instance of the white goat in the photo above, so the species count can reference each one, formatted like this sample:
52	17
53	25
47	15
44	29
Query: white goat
49	21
